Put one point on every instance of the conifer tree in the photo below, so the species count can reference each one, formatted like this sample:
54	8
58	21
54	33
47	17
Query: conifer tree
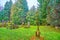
54	16
18	12
7	10
43	10
31	15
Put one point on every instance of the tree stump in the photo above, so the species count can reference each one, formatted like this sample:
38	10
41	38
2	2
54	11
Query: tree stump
38	34
22	25
28	24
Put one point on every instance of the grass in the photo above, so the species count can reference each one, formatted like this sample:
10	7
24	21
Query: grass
49	33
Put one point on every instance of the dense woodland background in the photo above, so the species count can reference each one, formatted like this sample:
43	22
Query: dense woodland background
48	13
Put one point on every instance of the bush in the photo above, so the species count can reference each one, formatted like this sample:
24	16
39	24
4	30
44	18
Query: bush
11	25
3	24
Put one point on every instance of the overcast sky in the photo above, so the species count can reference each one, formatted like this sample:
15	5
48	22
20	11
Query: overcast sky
30	2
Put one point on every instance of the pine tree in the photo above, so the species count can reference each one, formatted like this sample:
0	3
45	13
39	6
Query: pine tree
31	15
7	10
54	16
43	10
18	11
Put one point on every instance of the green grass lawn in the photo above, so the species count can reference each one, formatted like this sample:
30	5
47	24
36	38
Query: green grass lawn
49	33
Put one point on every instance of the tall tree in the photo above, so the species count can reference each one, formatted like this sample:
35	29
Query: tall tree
7	10
43	10
1	15
18	11
31	15
54	16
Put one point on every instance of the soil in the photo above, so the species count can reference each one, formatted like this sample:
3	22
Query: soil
35	38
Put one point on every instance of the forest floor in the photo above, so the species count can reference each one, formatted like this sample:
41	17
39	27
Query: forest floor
49	33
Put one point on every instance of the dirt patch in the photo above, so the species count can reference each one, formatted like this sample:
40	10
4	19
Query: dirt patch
35	38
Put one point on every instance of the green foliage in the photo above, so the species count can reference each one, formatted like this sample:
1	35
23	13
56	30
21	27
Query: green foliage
10	25
48	9
18	11
1	16
3	24
54	14
31	16
7	10
43	10
5	13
